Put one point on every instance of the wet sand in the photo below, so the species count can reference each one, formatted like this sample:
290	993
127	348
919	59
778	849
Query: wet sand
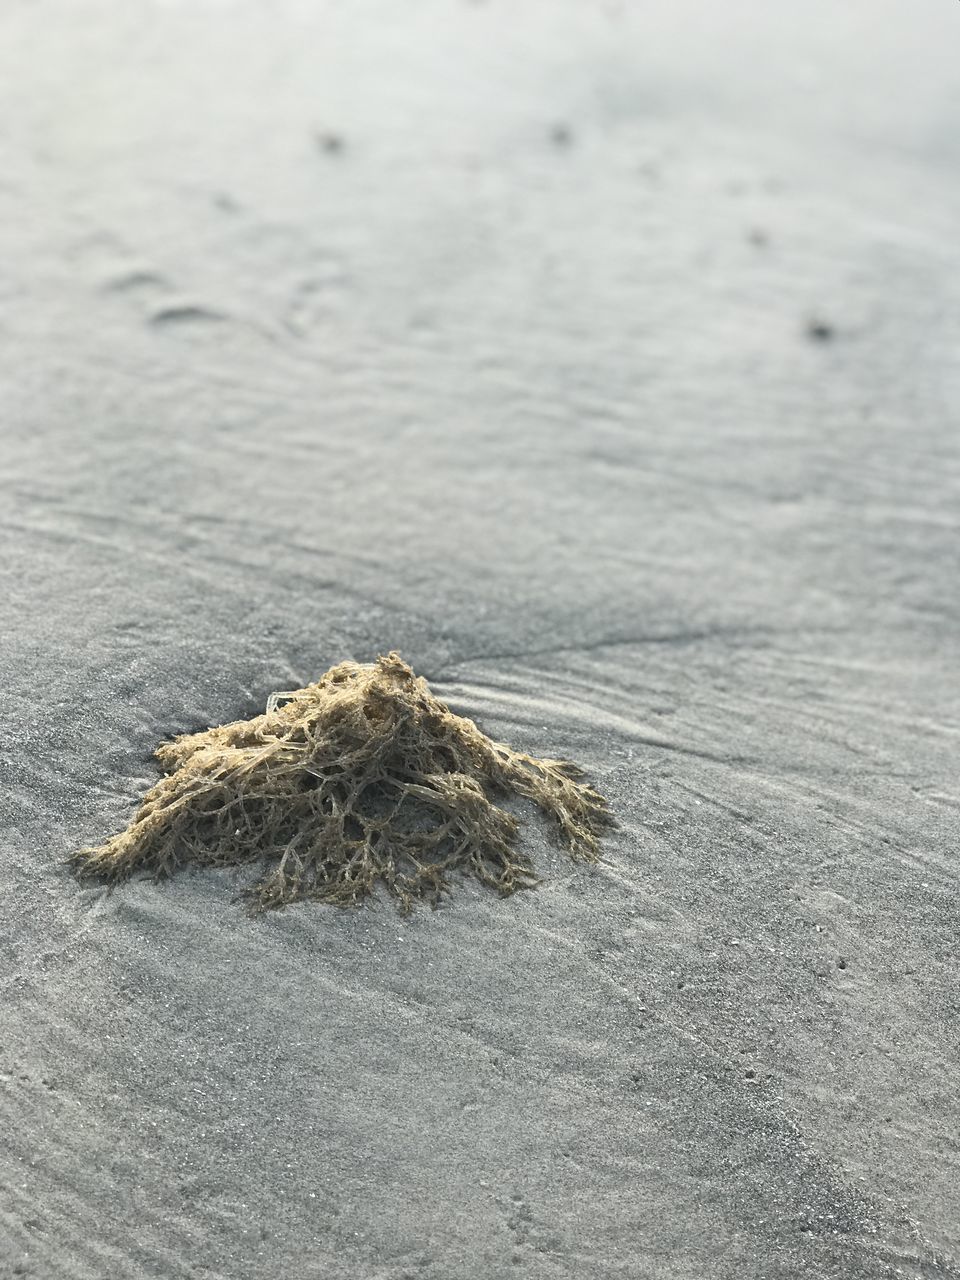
604	363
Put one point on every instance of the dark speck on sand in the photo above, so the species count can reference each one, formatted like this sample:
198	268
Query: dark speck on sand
818	330
332	144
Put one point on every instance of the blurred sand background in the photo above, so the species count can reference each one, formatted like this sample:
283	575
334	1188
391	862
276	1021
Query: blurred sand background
603	359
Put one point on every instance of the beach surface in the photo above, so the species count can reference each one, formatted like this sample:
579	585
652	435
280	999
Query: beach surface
603	360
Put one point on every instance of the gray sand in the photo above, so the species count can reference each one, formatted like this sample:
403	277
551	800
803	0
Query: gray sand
603	360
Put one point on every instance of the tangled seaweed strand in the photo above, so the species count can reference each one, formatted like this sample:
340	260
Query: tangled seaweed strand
361	777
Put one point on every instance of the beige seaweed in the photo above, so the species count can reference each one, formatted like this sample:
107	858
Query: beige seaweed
360	778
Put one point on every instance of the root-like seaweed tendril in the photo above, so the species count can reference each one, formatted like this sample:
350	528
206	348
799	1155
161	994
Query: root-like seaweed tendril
361	778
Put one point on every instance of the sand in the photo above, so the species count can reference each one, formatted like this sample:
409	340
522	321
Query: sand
602	360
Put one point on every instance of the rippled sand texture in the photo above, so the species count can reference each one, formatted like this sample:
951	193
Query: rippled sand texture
601	359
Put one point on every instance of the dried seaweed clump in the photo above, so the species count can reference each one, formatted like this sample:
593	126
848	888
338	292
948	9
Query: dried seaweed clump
362	777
